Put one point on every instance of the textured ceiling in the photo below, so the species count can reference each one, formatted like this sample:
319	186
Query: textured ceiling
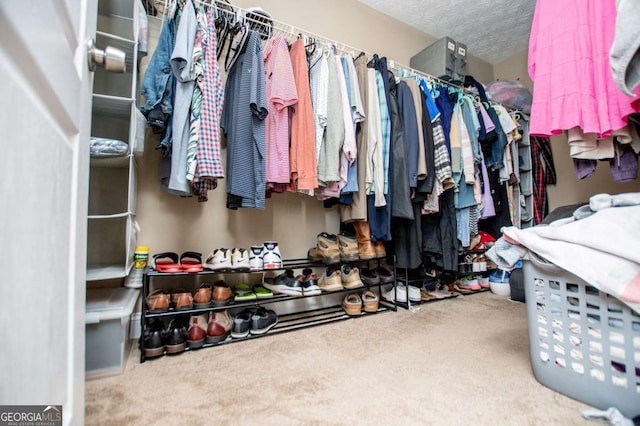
493	30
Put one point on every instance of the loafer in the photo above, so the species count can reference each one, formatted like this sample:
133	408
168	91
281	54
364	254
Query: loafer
241	324
222	294
153	340
263	320
202	298
158	301
181	299
176	340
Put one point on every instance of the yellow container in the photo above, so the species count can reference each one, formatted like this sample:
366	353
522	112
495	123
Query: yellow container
140	257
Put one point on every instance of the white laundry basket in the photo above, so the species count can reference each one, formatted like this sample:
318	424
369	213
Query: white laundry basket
584	343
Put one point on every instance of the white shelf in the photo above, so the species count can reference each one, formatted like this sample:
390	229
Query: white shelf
106	272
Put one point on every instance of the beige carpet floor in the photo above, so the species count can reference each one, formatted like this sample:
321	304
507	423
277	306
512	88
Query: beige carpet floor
454	362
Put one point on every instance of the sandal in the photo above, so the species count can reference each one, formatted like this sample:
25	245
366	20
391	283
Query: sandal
166	262
158	301
190	261
243	293
261	291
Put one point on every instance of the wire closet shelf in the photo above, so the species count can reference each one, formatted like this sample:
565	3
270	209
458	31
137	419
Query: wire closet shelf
268	27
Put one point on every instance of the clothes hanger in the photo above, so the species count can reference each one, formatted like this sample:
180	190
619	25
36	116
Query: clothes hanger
373	63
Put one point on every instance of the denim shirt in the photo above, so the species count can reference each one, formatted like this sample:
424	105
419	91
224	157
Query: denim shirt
159	83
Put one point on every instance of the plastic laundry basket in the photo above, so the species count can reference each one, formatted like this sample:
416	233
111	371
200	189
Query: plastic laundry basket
584	343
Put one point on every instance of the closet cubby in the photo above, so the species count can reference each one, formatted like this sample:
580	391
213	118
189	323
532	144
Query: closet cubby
525	204
111	230
294	312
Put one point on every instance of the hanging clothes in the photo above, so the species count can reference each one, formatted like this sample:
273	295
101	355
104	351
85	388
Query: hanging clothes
209	167
281	93
544	173
319	85
569	66
303	162
243	121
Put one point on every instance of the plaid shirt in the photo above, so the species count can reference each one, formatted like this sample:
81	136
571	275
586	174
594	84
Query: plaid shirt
544	173
209	157
441	155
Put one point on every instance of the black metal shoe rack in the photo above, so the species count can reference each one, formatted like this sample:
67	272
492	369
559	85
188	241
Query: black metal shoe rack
291	321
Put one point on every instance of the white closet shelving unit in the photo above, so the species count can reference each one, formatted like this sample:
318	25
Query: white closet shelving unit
112	185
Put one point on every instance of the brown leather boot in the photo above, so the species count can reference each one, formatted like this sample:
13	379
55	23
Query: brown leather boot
379	248
363	235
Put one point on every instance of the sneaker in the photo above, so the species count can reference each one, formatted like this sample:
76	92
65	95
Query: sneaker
398	294
331	281
241	324
369	276
219	327
328	248
471	283
483	281
350	276
197	330
271	257
219	260
348	246
386	274
310	283
285	283
370	301
255	258
263	320
414	293
352	304
240	260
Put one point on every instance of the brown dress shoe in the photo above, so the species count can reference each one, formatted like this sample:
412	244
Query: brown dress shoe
202	298
197	330
222	294
181	299
158	301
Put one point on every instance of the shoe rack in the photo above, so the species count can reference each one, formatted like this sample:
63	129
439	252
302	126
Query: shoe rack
294	312
111	232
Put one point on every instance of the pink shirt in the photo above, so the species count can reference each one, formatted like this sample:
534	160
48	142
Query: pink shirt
569	65
281	94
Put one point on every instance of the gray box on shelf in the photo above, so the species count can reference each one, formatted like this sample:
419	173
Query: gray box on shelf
461	60
439	59
107	319
584	343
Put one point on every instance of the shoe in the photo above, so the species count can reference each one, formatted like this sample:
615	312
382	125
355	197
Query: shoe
363	236
261	291
241	324
240	260
348	246
425	296
352	304
458	286
314	255
255	258
331	281
191	261
379	248
328	248
414	293
197	330
285	283
153	339
243	292
479	263
222	294
263	320
202	298
399	294
176	337
350	276
181	299
219	327
369	276
370	301
386	274
484	282
219	260
271	258
158	301
310	283
471	283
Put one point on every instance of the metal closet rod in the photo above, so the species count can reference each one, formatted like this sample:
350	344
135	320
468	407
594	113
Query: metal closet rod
291	32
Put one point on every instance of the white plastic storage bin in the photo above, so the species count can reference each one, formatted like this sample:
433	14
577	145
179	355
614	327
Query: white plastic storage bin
107	318
584	343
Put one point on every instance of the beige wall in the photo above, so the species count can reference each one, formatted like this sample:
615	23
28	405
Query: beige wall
569	189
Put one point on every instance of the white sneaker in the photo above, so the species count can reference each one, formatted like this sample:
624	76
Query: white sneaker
271	258
240	260
219	260
399	294
255	258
